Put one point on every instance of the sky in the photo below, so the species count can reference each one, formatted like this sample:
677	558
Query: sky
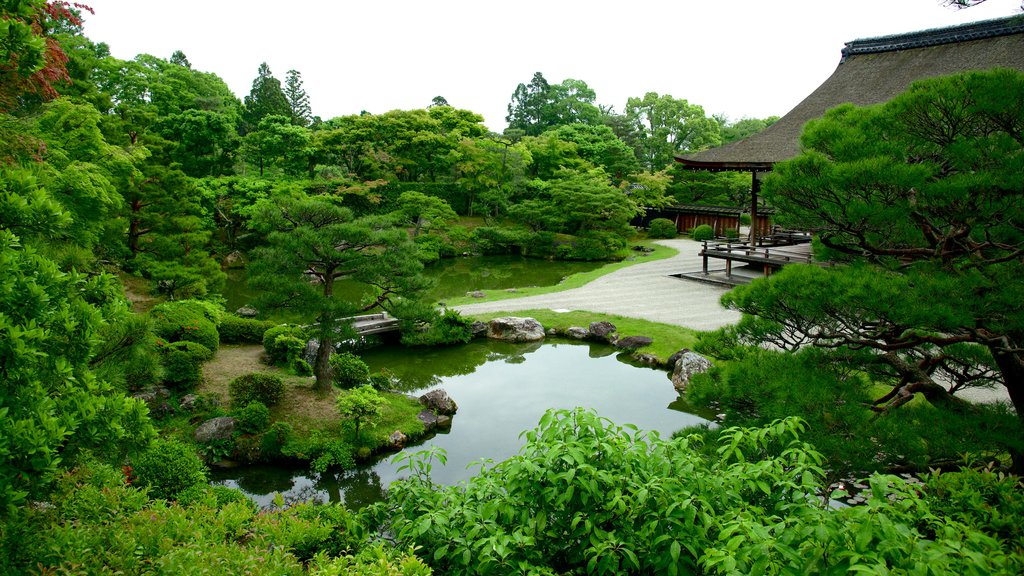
737	58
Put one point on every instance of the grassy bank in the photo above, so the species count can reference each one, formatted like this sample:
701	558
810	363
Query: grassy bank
574	281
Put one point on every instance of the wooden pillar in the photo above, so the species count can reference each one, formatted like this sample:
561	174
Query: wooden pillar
704	253
755	188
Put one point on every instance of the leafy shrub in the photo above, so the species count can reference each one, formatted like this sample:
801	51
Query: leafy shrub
275	439
431	248
256	387
236	330
187	320
702	233
301	367
167	468
252	419
662	228
183	364
279	351
383	379
348	370
497	240
732	233
447	328
212	496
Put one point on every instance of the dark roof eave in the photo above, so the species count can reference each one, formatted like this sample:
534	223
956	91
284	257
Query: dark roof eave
689	164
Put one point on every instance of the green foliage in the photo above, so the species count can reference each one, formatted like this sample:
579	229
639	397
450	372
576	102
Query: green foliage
274	440
432	248
236	330
267	389
211	496
183	364
361	405
585	496
279	352
449	327
254	418
167	468
348	370
53	406
187	320
662	228
702	233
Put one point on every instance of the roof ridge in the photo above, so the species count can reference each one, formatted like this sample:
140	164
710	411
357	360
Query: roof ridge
935	36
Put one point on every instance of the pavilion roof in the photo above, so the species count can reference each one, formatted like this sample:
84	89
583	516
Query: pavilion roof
871	71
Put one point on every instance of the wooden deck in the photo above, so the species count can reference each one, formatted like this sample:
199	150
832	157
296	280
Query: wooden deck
745	262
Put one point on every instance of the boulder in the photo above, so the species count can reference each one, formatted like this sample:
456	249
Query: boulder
190	402
220	428
476	294
428	418
578	332
158	401
438	401
512	329
647	359
233	260
247	312
688	364
633	342
603	331
397	440
309	353
478	329
444	421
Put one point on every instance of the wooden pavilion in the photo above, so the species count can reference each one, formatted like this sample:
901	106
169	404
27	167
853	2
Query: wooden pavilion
870	71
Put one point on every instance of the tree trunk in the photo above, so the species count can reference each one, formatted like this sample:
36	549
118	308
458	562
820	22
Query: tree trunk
1011	366
321	365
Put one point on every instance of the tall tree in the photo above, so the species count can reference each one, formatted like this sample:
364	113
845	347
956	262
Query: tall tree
311	242
266	98
178	58
526	111
923	198
298	100
667	126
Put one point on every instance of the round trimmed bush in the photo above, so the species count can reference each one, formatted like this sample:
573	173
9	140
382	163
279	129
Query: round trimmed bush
662	228
168	468
236	330
183	364
702	233
256	387
253	419
349	370
278	348
187	320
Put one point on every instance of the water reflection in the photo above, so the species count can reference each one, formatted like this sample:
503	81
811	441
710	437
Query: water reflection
502	389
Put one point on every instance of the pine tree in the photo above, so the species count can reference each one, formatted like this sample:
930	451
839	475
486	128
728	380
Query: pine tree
298	100
265	98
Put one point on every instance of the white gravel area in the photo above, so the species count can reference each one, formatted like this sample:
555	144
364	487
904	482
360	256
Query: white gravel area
645	291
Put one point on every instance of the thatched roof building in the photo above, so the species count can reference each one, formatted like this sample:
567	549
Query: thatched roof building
871	71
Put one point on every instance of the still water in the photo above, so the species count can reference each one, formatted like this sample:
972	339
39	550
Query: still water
502	390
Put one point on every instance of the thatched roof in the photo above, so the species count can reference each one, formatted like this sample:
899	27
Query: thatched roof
871	71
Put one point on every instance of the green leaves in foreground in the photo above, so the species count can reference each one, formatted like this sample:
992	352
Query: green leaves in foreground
587	496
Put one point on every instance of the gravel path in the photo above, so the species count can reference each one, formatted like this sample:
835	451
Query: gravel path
644	291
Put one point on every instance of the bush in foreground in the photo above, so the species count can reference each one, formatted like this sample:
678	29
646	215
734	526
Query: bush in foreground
585	496
256	387
662	228
702	233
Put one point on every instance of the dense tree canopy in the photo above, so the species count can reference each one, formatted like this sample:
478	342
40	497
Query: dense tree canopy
921	200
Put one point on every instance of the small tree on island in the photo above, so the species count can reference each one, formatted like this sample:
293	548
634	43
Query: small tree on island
362	405
311	242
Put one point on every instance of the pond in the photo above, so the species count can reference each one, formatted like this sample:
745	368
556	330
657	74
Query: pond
452	277
502	390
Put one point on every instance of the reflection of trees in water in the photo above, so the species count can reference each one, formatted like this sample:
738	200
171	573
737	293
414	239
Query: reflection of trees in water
356	488
266	479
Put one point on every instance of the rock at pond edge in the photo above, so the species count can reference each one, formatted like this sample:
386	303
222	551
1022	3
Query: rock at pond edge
513	329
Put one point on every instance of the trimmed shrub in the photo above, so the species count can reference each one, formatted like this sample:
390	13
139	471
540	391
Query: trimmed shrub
187	320
256	387
237	330
252	419
278	351
431	248
348	370
183	364
447	328
662	228
702	233
168	468
301	367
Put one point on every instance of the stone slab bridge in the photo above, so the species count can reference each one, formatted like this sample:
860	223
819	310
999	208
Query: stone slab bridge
373	324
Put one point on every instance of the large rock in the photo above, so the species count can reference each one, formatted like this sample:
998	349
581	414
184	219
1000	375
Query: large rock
397	440
687	364
247	312
428	418
158	401
578	333
439	401
512	329
309	352
633	342
478	329
603	331
220	428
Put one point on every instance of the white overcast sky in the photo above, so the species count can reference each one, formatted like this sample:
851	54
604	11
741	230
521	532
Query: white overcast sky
741	58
